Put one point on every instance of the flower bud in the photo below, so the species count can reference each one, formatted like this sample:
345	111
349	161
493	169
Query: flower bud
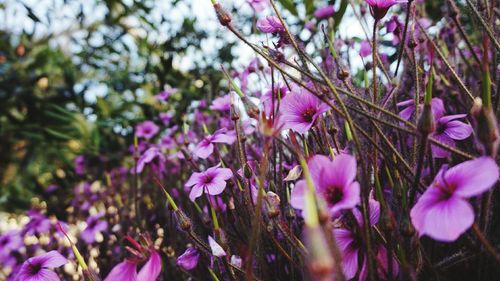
182	220
485	127
426	124
222	15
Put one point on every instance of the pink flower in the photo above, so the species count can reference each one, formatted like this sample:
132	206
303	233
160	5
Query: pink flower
146	129
212	181
334	182
206	146
300	109
222	104
448	129
324	12
126	270
443	212
36	268
270	24
379	8
352	250
147	157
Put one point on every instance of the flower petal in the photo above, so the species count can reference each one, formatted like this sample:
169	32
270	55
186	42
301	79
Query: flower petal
189	259
50	259
448	219
196	192
472	177
458	130
216	248
152	269
124	271
297	199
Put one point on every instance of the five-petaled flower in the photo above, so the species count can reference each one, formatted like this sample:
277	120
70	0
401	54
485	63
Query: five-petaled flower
443	212
36	268
334	182
146	129
212	181
448	129
300	109
206	146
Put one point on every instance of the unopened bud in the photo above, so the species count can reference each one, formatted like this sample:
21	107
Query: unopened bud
223	16
182	220
426	124
485	127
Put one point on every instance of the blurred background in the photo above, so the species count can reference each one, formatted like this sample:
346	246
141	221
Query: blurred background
77	75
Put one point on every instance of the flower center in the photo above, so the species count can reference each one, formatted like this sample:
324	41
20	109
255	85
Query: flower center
33	269
207	179
333	195
308	114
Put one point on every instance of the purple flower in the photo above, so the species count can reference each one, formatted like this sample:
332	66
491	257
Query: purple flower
79	163
267	98
36	268
212	181
300	109
206	146
189	259
436	104
324	12
334	182
449	129
352	250
148	156
146	129
365	49
38	223
164	95
379	8
443	212
222	104
270	24
94	225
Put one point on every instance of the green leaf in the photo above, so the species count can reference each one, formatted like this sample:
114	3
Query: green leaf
309	7
290	6
340	13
